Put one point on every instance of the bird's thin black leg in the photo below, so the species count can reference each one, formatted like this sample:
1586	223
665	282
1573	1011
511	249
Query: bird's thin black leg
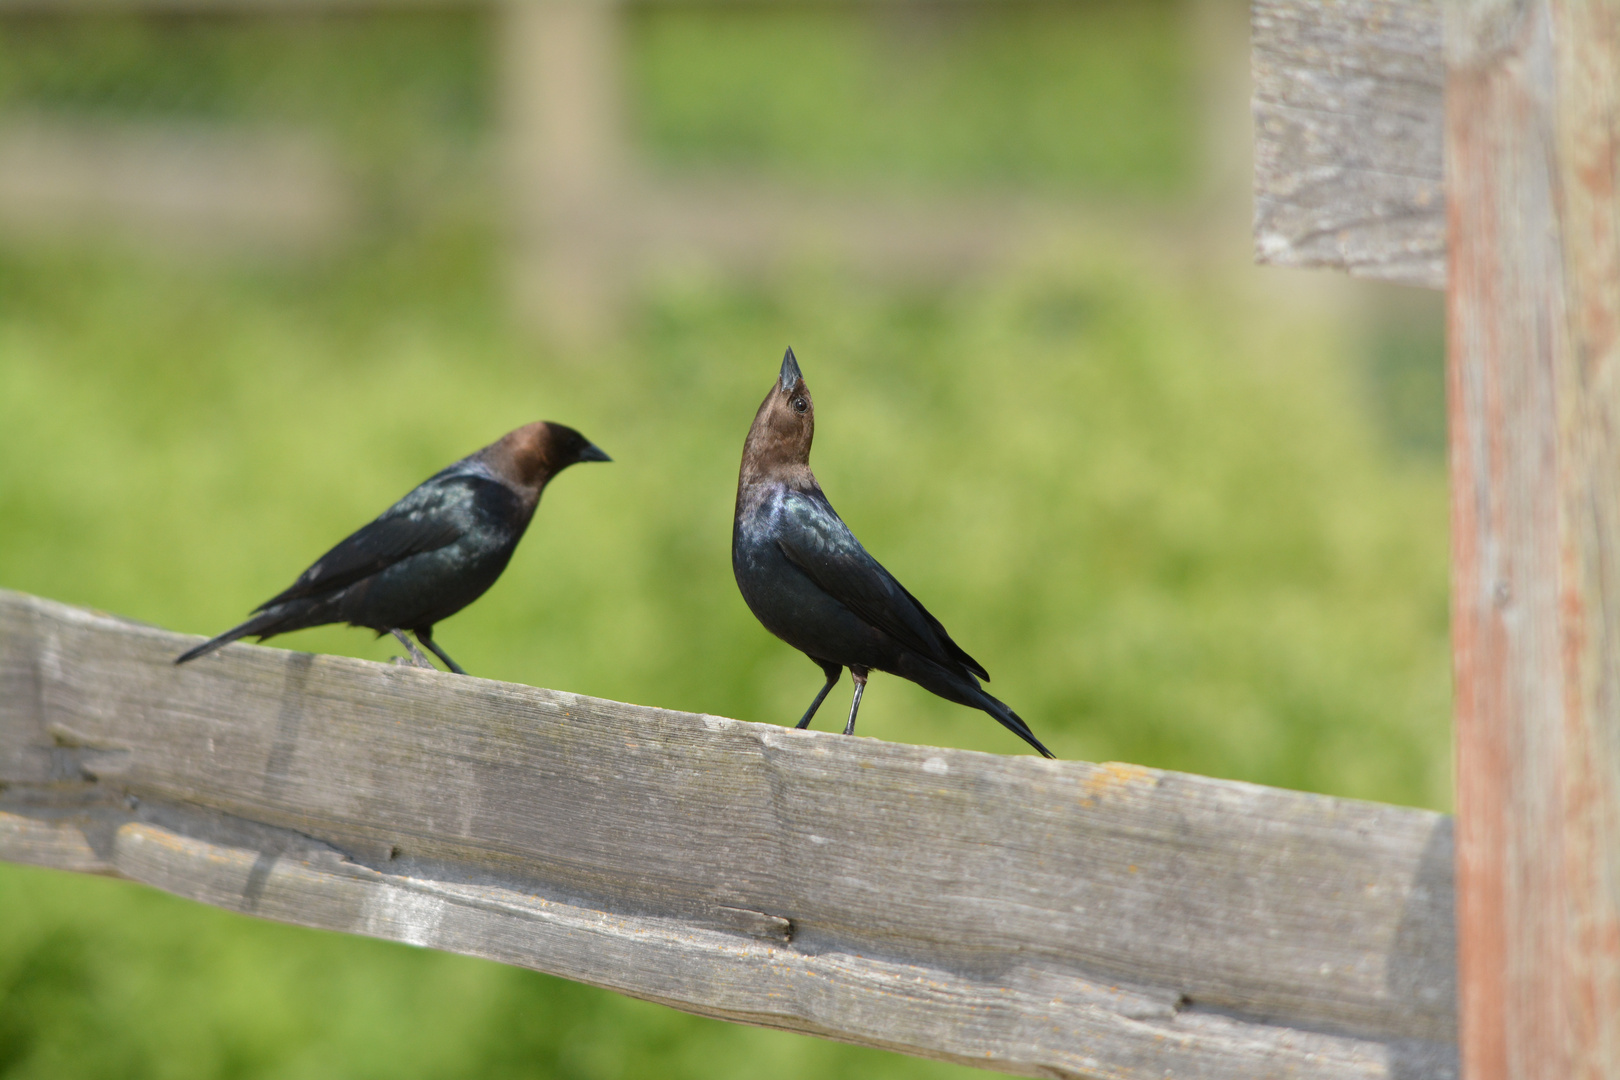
833	671
425	636
417	659
859	675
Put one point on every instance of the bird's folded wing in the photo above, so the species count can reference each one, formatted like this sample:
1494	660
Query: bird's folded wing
816	540
429	518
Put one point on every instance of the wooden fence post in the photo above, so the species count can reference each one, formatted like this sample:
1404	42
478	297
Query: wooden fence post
1532	135
566	161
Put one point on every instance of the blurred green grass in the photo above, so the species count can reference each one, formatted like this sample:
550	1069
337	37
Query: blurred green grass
1183	524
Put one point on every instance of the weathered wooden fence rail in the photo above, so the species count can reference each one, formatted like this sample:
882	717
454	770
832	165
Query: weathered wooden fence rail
1043	918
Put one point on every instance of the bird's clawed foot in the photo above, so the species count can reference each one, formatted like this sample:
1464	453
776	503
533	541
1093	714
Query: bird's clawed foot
417	659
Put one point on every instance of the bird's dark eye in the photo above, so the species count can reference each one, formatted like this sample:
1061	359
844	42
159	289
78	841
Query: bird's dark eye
800	405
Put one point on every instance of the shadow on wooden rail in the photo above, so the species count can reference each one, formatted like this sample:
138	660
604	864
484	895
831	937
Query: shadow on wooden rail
1035	917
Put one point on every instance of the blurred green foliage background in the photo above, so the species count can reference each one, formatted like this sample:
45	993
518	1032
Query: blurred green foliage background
1186	514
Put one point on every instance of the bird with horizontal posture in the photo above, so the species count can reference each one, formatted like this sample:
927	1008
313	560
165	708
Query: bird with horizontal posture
812	584
429	555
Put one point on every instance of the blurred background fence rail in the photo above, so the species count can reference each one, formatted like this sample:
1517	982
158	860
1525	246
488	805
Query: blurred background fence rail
1347	106
1037	918
582	214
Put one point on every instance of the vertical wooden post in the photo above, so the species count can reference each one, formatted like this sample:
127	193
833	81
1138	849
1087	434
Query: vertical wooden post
566	156
1532	149
1220	33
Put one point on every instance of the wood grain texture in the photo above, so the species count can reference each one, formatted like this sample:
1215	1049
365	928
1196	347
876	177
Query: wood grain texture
1348	127
1533	134
1041	918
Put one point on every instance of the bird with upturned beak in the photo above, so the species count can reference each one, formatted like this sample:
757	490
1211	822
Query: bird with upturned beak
430	554
812	584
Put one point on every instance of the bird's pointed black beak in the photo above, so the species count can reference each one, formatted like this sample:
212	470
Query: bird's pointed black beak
592	452
790	372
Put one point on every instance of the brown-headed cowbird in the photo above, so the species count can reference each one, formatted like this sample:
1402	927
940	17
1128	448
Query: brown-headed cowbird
430	554
806	577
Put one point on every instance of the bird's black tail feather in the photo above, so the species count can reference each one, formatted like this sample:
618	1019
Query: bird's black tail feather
263	625
958	684
1013	723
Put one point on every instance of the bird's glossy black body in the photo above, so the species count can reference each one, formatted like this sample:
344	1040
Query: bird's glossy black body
428	556
811	583
432	553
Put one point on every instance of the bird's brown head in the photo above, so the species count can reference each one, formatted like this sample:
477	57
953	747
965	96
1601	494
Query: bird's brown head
534	453
779	442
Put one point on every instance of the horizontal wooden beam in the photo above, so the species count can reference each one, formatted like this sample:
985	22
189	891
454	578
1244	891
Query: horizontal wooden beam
1349	120
1041	918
